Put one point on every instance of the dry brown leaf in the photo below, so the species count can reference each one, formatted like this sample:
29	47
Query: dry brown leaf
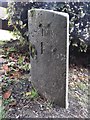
74	77
6	68
12	59
7	94
7	49
81	78
15	74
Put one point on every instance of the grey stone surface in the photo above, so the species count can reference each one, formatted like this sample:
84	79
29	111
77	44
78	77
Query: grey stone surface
48	34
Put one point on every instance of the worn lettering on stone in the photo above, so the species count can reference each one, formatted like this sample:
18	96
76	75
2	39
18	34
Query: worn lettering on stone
48	35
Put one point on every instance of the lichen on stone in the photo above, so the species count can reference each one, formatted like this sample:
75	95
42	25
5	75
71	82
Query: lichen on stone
32	12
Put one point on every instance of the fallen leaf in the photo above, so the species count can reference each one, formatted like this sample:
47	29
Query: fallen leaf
13	103
28	93
71	84
13	59
81	78
6	49
7	94
15	74
6	68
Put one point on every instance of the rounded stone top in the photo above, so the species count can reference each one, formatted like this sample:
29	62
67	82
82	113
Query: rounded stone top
44	10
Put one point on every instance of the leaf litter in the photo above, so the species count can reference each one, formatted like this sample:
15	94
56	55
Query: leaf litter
16	76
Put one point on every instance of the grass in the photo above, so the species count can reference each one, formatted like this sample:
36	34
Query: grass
32	94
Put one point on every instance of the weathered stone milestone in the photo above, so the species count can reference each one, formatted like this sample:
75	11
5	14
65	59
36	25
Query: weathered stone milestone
48	35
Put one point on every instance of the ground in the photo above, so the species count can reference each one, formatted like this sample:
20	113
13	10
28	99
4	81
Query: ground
16	90
78	99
